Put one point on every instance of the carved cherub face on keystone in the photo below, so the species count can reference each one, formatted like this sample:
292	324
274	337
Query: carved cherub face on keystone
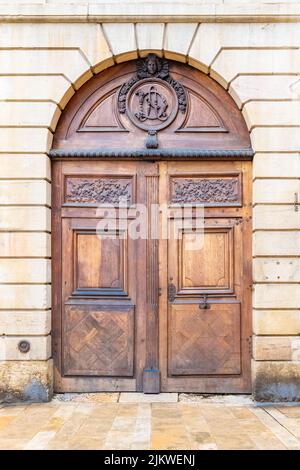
152	65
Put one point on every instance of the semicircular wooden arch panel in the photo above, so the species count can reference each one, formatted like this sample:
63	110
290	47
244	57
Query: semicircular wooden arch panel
169	108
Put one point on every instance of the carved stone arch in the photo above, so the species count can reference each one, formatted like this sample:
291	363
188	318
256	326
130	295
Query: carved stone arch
114	113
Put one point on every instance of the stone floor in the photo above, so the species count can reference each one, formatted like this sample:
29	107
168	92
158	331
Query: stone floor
135	421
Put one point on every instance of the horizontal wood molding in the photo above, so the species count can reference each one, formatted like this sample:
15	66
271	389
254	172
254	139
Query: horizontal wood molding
154	154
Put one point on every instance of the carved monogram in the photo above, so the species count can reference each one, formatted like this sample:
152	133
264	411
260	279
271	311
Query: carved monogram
206	190
152	67
152	105
98	190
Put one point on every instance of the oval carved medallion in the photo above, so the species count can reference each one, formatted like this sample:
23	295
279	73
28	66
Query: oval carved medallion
152	104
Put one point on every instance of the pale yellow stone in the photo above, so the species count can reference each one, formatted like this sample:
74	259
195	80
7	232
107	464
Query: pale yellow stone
177	41
25	296
230	63
204	10
276	322
25	244
272	191
40	114
274	139
88	37
276	269
276	380
36	87
25	218
268	113
264	87
121	39
25	192
275	243
22	322
40	348
29	139
279	296
25	270
23	379
25	166
276	217
69	62
276	348
276	165
211	37
53	10
149	37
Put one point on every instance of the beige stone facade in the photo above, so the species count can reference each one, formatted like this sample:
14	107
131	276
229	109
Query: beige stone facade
48	49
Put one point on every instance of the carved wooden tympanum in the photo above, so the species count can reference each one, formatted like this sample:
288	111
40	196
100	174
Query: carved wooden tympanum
114	114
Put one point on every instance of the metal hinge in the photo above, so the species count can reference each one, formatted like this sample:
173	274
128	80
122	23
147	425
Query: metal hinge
171	292
249	339
296	203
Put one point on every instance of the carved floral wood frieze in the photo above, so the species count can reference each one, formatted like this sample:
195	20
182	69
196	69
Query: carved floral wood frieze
224	191
103	190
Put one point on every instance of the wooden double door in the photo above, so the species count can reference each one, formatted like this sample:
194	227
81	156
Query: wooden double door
148	295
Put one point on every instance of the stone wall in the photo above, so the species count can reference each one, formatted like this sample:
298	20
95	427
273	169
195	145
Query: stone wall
47	51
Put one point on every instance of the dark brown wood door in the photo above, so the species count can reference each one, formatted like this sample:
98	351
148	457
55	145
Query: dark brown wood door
172	304
99	276
205	273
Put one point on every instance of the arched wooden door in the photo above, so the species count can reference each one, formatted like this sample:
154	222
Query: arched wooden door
142	298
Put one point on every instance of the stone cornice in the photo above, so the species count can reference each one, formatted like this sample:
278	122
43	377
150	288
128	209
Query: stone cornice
145	12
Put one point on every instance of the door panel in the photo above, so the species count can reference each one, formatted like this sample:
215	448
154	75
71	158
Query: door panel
204	341
208	269
205	275
98	339
100	319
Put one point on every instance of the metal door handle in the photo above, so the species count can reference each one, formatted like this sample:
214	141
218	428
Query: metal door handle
204	305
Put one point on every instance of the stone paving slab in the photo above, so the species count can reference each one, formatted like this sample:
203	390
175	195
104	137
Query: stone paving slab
233	400
229	422
148	397
101	397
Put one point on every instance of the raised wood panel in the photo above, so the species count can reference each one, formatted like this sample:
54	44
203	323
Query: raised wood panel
201	259
198	269
99	261
201	117
204	341
98	340
102	117
96	261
